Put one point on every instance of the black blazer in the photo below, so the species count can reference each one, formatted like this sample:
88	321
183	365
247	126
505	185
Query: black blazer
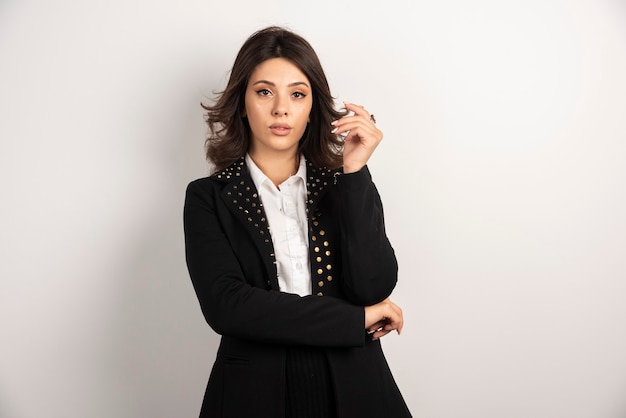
232	266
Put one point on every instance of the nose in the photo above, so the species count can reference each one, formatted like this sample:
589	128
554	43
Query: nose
280	107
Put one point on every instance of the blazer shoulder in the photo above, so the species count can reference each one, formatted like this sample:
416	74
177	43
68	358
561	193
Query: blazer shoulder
203	190
200	184
218	180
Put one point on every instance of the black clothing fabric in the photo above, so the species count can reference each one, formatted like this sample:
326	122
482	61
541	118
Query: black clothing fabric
231	262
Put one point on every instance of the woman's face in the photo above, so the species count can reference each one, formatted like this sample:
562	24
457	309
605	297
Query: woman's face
278	102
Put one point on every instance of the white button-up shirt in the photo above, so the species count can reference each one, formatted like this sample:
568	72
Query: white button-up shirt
285	208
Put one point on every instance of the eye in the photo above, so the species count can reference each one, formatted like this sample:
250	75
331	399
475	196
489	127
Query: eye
299	95
263	92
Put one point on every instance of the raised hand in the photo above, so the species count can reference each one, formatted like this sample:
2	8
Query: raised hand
361	137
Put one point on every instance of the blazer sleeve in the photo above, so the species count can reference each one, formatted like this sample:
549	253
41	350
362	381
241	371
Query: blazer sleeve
233	307
370	268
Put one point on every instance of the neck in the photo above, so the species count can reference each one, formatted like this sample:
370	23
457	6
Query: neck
277	168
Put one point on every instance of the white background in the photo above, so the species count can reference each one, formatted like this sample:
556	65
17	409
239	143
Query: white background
502	171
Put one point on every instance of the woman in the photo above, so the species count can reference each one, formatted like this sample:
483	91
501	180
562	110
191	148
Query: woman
286	246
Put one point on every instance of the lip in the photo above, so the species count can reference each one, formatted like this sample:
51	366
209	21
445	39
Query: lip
280	129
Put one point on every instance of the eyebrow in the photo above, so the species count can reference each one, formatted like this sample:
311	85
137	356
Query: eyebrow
296	83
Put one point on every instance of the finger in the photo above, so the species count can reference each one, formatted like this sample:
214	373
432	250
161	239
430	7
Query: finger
379	334
353	118
355	136
394	323
399	326
366	127
357	109
397	320
364	130
377	326
390	328
387	324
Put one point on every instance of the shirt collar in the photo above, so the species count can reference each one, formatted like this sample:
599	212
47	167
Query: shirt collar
259	178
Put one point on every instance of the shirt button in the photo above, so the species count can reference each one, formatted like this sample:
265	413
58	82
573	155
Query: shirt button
299	265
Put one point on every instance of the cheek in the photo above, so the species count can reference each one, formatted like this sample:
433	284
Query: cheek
251	104
305	111
253	113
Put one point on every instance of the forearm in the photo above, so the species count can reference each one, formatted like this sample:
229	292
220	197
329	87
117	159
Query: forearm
233	306
270	316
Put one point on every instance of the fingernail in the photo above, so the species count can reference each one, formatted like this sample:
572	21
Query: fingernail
334	130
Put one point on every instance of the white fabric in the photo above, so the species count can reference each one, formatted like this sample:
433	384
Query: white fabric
285	208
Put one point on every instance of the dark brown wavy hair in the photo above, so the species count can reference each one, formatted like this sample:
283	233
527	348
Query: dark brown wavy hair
229	137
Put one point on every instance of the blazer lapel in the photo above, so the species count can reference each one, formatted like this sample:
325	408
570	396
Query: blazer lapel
322	242
242	198
318	181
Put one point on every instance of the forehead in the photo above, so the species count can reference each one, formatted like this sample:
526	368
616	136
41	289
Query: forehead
278	70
